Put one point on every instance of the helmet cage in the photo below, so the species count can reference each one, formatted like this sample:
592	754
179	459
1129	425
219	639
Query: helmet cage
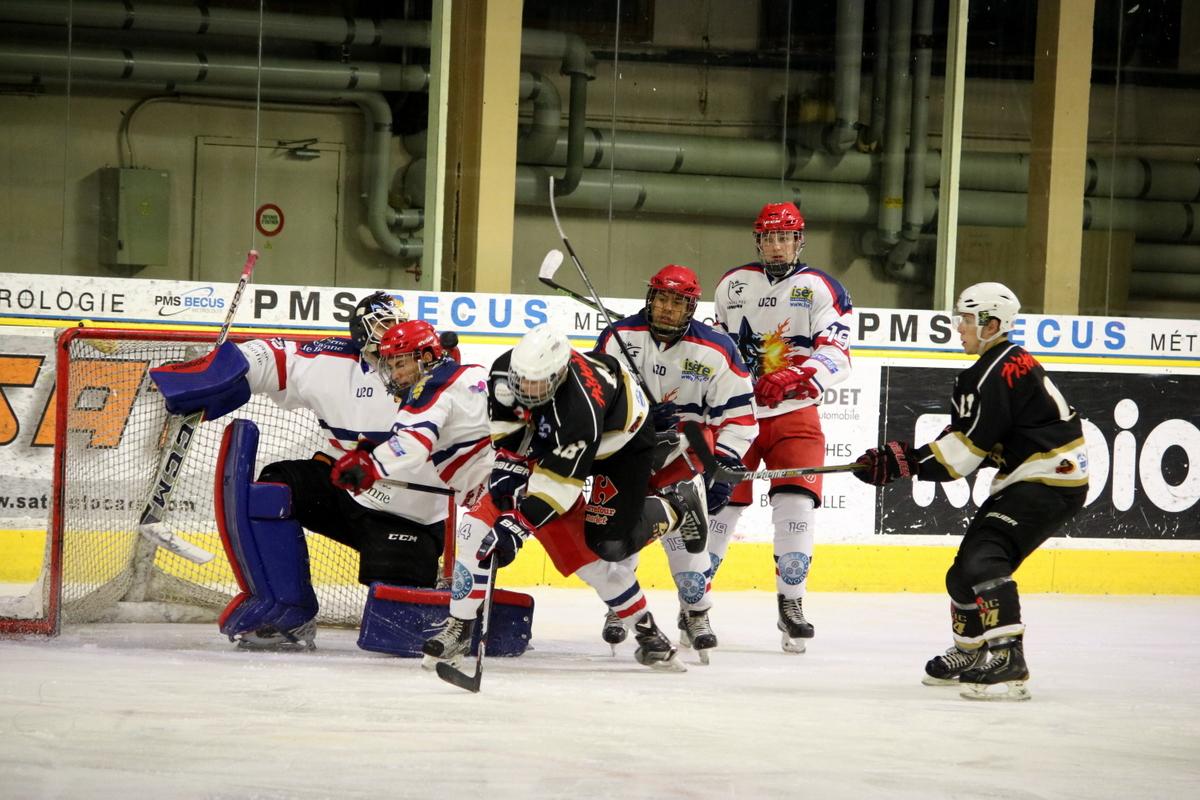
411	341
664	330
372	318
776	267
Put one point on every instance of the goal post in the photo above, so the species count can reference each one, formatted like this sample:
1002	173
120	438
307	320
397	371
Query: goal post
111	428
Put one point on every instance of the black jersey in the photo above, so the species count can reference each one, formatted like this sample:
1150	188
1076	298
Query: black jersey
1007	410
598	410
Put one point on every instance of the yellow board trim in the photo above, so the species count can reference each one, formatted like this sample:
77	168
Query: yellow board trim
836	568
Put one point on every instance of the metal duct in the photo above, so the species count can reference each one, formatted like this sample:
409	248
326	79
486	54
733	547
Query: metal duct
891	184
918	144
839	136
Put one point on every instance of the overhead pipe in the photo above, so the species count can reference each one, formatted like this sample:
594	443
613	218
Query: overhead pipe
221	69
1148	257
203	19
891	183
869	137
840	135
536	142
918	140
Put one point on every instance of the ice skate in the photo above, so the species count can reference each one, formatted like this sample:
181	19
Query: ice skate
450	645
654	649
793	625
944	670
1003	677
614	630
696	633
691	511
268	637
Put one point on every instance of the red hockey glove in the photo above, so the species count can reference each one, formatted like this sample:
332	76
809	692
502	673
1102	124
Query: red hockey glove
505	539
793	383
355	472
887	463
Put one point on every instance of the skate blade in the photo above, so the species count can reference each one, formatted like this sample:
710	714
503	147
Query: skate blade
672	664
282	646
793	646
1012	691
929	680
703	655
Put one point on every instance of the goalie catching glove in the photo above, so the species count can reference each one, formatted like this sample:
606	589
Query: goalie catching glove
792	383
505	538
214	384
355	472
891	461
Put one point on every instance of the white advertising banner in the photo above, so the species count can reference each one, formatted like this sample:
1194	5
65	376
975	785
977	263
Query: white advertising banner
1141	429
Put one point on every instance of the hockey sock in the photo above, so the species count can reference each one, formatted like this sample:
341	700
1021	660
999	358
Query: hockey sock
792	517
721	527
617	586
966	624
1000	610
692	573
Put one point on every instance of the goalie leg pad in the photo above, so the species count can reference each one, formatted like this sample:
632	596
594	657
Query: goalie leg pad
265	546
215	384
397	620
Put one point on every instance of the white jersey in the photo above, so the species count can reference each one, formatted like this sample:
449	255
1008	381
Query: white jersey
350	402
801	319
443	423
701	373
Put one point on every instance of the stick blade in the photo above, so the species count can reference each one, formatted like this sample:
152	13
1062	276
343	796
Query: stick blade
550	264
458	678
167	539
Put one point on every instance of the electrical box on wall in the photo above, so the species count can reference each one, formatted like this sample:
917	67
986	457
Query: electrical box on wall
135	207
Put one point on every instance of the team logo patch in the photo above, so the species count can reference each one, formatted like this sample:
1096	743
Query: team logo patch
793	568
463	582
696	371
479	387
801	296
716	562
1065	467
395	446
691	586
733	294
603	490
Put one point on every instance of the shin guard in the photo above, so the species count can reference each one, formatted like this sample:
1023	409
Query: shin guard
1000	609
265	546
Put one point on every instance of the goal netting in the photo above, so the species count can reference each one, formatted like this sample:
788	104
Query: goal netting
111	431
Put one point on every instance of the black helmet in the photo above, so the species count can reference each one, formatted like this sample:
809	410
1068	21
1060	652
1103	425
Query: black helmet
372	317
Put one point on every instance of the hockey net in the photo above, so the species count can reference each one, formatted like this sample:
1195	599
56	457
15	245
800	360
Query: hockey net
110	432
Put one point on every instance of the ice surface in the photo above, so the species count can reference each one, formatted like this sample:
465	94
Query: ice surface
173	711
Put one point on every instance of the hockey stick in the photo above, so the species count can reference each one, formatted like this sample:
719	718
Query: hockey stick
150	524
723	474
550	265
596	298
451	674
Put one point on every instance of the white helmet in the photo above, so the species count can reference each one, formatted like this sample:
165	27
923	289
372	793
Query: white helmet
538	365
988	301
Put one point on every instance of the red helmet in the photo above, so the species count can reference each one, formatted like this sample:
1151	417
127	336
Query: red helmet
413	337
673	279
778	220
779	217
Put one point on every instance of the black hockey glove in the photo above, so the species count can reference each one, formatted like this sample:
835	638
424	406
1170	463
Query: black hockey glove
891	461
718	492
510	473
665	416
505	539
666	445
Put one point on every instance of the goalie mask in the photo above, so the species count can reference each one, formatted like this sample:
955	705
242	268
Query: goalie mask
987	302
538	365
779	237
407	351
371	319
671	301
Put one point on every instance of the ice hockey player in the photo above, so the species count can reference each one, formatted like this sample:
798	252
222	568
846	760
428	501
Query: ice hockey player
1004	410
696	374
791	323
559	417
398	533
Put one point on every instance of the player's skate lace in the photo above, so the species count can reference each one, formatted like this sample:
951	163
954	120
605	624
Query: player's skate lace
945	669
614	630
653	646
695	630
791	618
452	642
691	512
1006	664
